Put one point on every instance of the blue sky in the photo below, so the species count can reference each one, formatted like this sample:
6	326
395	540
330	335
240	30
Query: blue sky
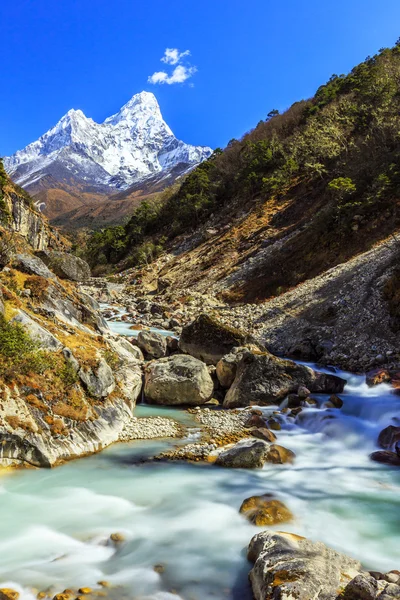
250	55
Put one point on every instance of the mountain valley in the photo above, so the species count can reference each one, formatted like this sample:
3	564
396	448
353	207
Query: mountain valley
80	164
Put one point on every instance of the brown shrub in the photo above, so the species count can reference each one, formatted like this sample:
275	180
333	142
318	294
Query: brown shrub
14	421
38	286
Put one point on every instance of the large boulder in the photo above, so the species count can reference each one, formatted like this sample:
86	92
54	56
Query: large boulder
264	379
32	265
153	344
279	455
66	266
127	373
249	453
209	340
178	379
287	566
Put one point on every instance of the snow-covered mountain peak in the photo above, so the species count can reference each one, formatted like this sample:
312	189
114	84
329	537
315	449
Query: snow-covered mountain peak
131	145
138	111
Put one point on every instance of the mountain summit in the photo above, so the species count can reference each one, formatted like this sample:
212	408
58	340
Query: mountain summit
128	147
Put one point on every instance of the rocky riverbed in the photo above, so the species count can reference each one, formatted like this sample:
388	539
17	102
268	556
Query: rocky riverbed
334	318
253	441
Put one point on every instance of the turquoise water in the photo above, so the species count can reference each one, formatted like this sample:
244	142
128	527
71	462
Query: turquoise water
186	516
56	523
124	328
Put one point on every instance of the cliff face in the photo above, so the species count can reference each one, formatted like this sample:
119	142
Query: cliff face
28	223
19	214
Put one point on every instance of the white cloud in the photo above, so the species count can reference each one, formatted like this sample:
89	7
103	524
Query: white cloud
179	75
172	56
158	77
181	72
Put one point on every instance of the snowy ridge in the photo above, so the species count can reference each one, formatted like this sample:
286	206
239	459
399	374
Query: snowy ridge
131	145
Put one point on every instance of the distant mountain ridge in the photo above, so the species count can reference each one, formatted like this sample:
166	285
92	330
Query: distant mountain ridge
81	156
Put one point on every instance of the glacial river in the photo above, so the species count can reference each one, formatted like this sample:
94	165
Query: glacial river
55	523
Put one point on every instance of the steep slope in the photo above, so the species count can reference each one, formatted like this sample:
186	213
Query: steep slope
60	398
303	192
21	219
80	156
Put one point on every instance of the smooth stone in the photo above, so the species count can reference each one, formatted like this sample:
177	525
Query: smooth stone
265	510
246	454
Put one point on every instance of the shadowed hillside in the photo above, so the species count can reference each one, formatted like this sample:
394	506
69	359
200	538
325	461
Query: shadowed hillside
302	192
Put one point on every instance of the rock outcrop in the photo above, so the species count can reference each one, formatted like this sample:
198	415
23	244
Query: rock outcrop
209	340
177	379
66	266
263	379
39	334
33	265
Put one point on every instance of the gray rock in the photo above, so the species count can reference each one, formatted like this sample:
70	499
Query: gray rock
89	300
209	340
362	587
249	453
13	446
288	567
125	350
69	357
45	339
100	382
178	379
390	592
33	266
265	379
392	577
152	343
130	380
66	266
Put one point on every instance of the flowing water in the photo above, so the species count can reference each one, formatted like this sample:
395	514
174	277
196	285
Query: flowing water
55	524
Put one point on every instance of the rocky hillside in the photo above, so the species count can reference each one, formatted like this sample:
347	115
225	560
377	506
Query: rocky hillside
300	219
67	385
304	191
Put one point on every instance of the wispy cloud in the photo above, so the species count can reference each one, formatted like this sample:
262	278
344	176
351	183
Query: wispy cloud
181	72
179	75
172	56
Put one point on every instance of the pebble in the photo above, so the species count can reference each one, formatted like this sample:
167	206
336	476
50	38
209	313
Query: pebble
149	428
